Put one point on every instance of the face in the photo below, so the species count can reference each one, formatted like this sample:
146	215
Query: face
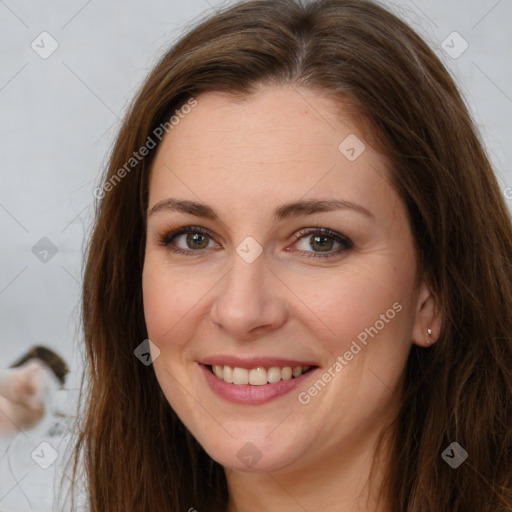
294	277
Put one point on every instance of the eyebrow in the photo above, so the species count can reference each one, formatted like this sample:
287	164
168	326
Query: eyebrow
293	209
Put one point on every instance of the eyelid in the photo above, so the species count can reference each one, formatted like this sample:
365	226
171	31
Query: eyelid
339	237
170	235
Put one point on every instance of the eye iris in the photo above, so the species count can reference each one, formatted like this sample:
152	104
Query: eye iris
324	242
197	238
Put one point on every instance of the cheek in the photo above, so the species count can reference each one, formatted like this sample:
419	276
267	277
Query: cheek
356	305
167	299
167	306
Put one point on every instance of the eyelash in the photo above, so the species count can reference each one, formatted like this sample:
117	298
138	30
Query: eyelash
345	242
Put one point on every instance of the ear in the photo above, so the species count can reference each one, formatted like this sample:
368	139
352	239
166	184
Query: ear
428	316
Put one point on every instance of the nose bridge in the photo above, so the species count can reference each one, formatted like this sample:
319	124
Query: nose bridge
247	300
243	286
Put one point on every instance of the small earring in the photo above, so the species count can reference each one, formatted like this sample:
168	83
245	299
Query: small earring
429	333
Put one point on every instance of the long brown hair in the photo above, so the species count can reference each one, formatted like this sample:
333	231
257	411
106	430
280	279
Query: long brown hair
136	453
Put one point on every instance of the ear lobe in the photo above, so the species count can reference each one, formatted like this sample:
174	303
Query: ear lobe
428	319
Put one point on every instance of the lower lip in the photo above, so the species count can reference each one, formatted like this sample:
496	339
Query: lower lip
249	394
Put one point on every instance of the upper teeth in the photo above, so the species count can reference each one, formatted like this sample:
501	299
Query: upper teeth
257	376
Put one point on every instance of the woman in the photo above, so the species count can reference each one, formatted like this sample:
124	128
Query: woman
298	213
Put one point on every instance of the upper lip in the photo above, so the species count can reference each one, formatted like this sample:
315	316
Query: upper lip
253	362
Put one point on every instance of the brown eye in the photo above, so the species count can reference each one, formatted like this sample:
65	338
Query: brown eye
187	240
322	243
196	241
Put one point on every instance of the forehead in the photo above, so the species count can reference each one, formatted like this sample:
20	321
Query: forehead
283	142
276	120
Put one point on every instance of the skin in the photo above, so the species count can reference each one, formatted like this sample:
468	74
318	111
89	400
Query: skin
20	409
245	158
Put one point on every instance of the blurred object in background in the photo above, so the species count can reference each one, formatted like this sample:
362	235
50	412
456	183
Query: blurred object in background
27	387
36	421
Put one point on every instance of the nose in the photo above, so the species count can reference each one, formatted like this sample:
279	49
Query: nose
250	301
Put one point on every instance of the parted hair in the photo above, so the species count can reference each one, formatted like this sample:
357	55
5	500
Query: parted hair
135	453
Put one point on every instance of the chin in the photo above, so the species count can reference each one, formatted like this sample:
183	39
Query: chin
253	452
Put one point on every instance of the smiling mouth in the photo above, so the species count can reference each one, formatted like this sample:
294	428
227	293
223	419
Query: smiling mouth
258	376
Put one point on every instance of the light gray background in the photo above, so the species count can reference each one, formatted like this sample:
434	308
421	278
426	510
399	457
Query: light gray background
59	117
